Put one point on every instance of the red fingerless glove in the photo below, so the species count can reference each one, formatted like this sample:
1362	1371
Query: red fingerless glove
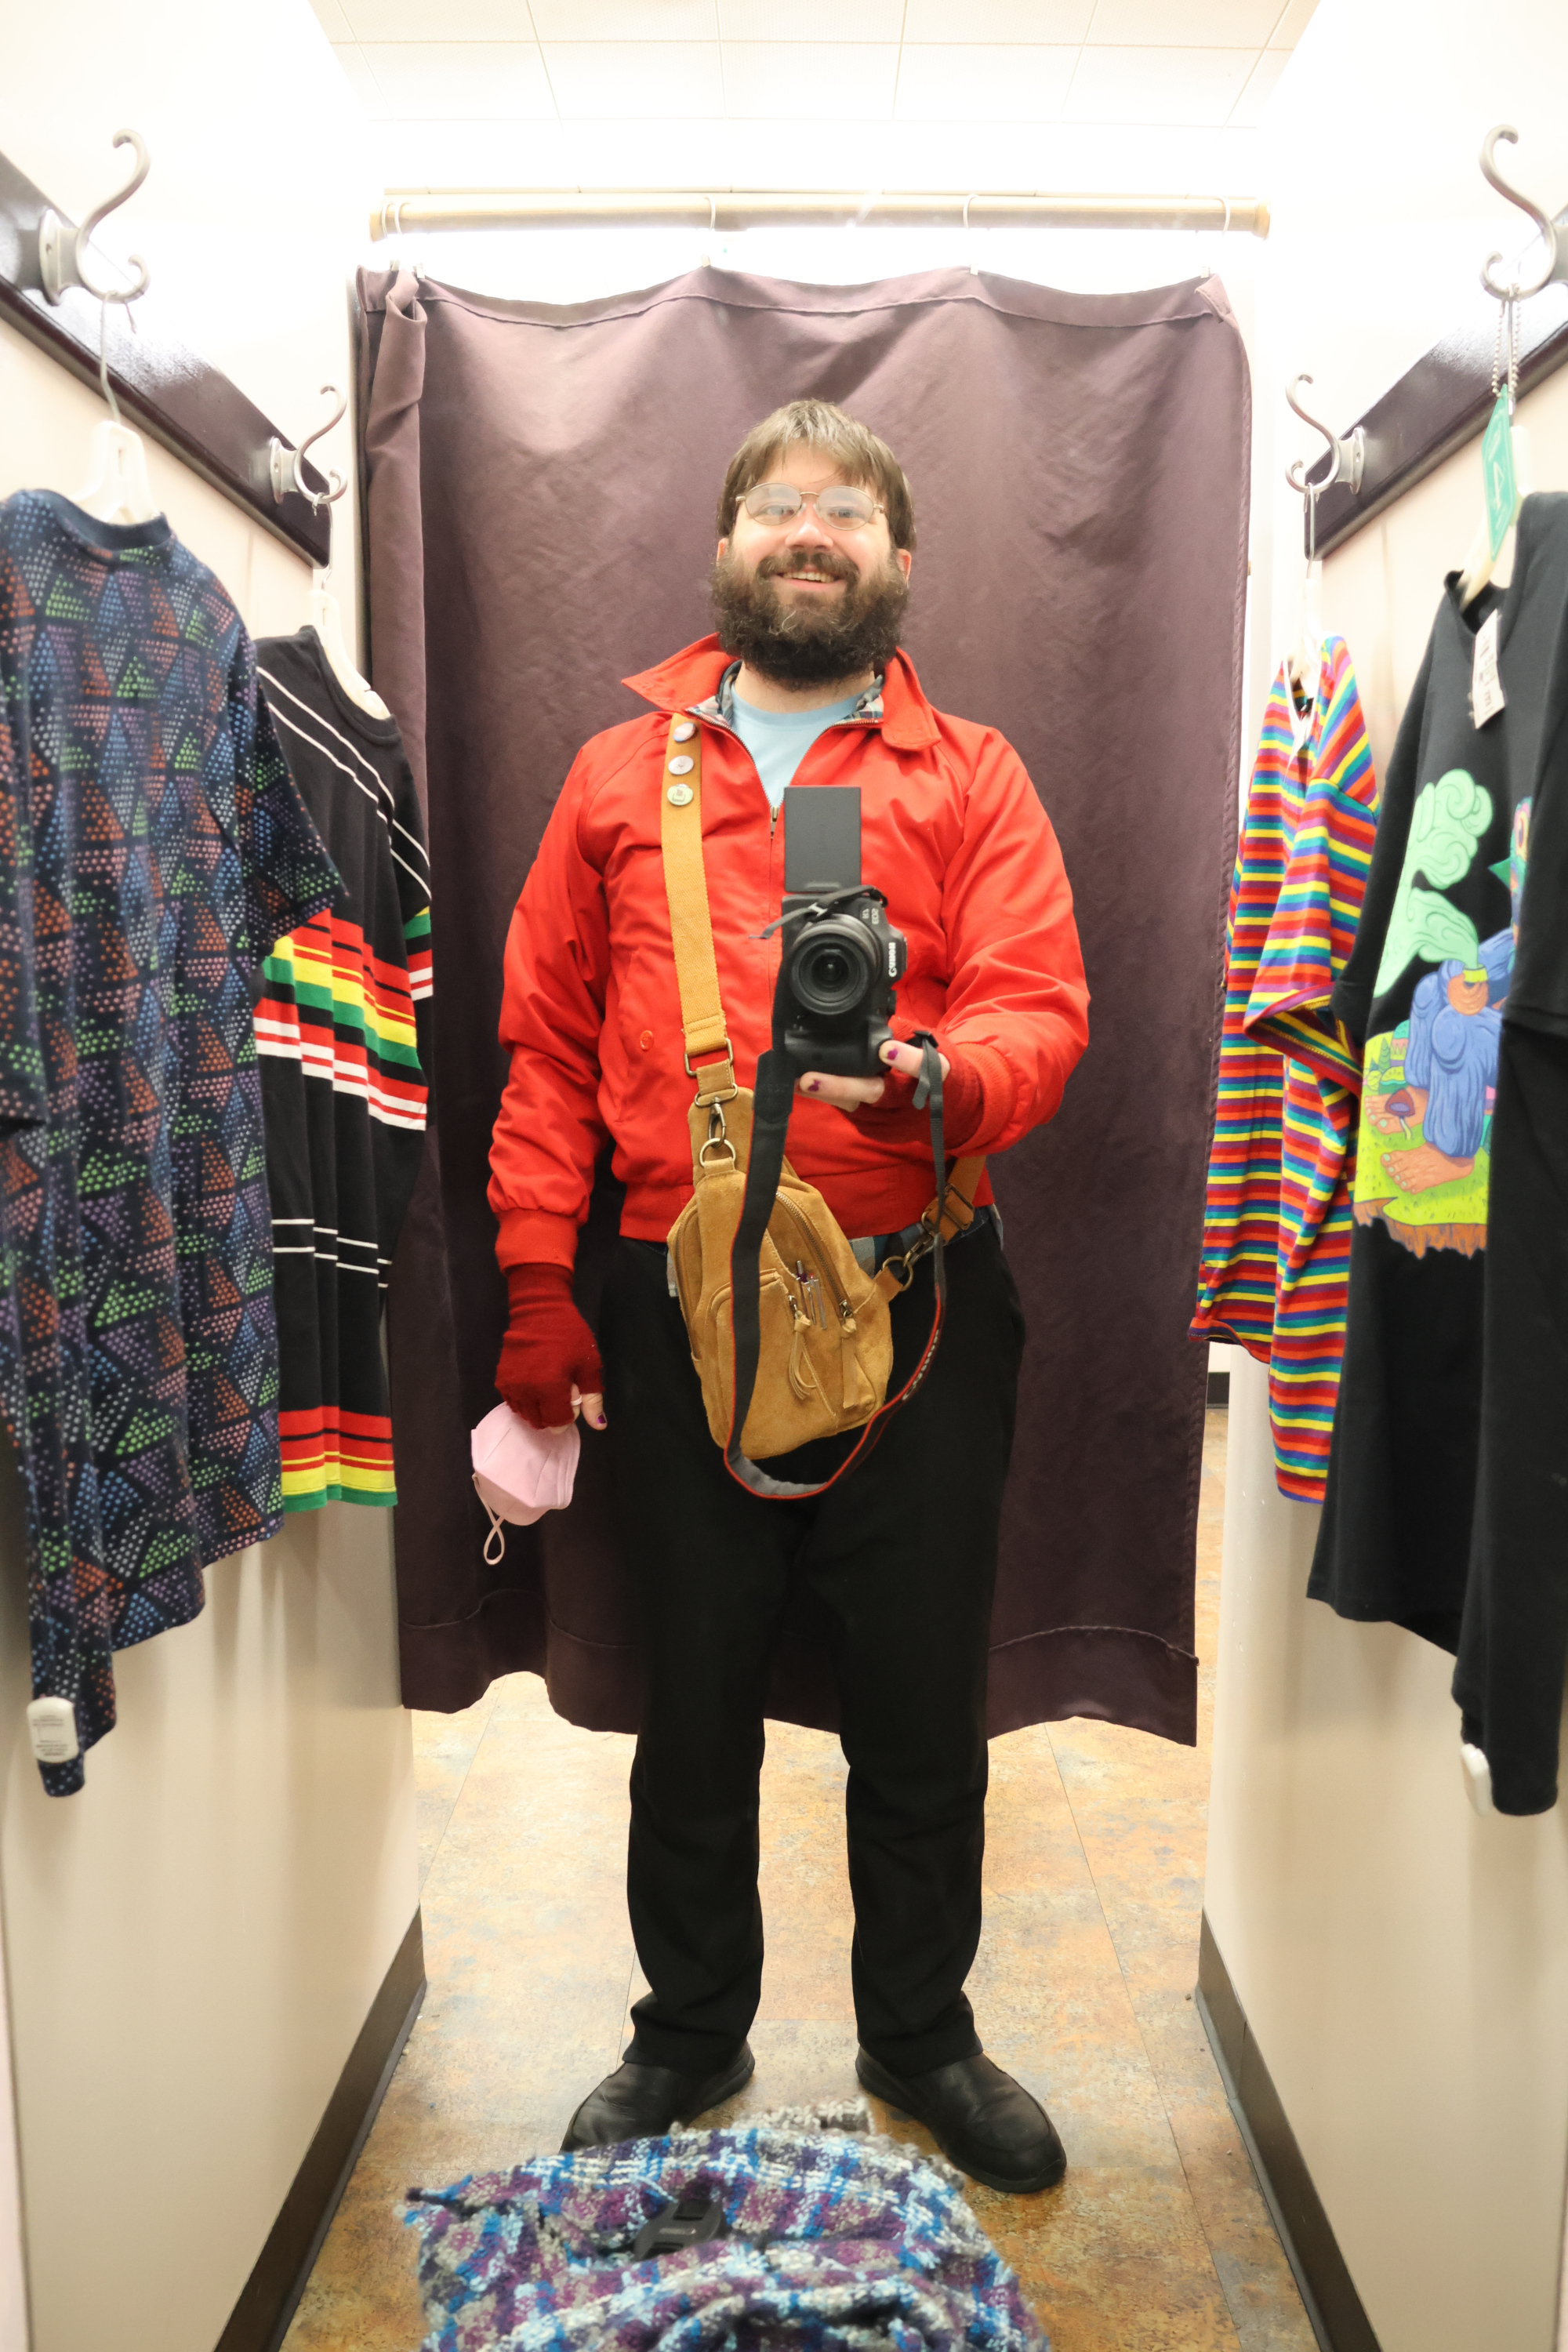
547	1347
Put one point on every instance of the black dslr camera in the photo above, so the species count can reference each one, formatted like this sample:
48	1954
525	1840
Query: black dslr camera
841	955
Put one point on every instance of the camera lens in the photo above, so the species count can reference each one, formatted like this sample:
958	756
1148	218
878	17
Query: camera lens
832	970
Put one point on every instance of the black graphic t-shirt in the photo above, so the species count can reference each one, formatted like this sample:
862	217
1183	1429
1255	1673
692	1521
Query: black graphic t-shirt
1514	1643
1427	989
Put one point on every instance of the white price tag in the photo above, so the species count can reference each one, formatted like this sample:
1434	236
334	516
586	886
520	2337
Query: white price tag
51	1727
1486	696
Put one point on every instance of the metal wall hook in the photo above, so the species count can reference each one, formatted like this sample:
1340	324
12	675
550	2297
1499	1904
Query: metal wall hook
1347	458
285	462
1556	262
62	250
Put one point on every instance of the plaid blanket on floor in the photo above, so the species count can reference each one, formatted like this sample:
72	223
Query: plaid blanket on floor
836	2240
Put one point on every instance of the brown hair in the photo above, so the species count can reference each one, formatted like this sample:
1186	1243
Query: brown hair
861	457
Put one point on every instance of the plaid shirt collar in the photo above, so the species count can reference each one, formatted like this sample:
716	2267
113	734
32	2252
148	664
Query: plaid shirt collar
719	706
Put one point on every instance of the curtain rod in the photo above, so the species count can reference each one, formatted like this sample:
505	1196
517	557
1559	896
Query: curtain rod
475	208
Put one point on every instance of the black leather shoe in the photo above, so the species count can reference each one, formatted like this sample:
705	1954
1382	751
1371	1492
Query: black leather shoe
639	2102
980	2118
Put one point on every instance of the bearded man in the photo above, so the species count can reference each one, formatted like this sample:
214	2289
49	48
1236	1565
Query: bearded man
803	684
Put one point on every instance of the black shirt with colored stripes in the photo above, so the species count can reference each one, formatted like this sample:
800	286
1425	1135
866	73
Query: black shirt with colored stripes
342	1031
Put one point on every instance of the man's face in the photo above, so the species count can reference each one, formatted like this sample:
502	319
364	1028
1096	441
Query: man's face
810	565
804	603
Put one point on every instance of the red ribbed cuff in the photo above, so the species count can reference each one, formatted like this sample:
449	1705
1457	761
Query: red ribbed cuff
536	1237
978	1097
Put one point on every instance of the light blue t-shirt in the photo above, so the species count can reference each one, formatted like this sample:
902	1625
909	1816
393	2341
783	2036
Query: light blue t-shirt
778	740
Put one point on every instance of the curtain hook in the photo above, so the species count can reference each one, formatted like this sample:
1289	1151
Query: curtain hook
1346	457
1556	263
285	463
61	249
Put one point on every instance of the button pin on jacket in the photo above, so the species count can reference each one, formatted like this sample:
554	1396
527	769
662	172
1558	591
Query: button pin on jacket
679	794
685	731
682	765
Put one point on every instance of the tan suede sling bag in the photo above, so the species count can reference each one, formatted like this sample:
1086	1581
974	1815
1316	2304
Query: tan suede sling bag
814	1357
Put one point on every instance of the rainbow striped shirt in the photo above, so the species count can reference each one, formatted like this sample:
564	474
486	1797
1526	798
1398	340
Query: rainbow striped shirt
1277	1222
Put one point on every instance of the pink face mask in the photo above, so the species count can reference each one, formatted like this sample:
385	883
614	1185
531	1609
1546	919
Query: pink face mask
520	1472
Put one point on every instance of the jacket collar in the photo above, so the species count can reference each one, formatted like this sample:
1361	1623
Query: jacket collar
693	675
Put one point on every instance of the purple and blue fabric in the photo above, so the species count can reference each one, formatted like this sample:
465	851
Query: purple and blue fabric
835	2241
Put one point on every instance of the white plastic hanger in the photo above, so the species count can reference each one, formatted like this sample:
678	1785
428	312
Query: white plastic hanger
325	615
326	618
1304	661
116	489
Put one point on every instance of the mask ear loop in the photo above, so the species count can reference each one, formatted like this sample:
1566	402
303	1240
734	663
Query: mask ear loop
496	1535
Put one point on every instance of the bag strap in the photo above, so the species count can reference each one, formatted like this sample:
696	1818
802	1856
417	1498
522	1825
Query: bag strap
770	1123
705	1030
691	926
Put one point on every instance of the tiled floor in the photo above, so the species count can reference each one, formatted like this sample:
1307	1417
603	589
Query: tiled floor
1158	2240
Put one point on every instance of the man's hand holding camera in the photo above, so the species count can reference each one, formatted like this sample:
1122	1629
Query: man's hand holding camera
854	1095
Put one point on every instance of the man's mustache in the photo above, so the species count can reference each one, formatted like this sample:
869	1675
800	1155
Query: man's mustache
780	567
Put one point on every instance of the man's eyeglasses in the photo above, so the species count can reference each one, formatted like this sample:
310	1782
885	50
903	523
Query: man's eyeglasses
841	507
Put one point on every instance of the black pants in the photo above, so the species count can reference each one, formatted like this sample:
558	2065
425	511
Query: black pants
903	1554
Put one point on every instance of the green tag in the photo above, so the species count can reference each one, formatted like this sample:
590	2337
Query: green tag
1497	464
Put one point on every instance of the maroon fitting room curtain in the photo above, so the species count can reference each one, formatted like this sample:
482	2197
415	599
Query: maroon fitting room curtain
540	492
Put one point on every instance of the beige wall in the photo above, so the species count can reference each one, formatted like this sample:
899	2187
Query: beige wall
13	2265
1404	1965
192	1943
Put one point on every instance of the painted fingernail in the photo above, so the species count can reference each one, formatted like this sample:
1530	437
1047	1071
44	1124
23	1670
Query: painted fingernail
813	1086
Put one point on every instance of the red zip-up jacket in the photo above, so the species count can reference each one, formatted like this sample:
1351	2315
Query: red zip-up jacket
951	833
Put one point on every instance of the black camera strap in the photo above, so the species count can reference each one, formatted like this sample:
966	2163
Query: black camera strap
771	1110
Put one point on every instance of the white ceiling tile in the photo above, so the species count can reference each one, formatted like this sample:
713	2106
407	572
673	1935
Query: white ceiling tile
1194	24
551	155
362	81
1259	89
781	82
438	20
812	20
718	155
1050	21
474	81
1294	19
333	21
1000	83
596	80
1146	85
625	20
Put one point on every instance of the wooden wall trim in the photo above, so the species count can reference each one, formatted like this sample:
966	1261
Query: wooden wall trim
1334	2308
1437	406
166	390
260	2318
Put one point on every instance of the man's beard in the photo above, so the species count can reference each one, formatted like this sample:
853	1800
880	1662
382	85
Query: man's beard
806	644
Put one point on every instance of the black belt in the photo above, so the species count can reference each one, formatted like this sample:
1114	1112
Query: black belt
912	1244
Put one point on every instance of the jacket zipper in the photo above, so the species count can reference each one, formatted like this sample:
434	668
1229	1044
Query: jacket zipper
769	896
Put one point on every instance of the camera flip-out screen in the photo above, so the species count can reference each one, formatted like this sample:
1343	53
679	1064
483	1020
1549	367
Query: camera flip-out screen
822	836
